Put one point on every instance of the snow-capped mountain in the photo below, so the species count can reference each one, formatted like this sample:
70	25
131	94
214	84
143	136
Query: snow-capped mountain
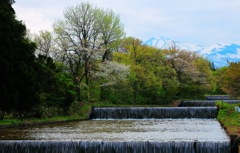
165	43
217	53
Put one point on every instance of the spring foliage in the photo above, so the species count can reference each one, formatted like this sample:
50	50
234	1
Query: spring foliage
85	34
158	76
87	59
231	79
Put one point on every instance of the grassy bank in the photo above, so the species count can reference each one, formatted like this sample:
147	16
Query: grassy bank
36	120
229	118
80	114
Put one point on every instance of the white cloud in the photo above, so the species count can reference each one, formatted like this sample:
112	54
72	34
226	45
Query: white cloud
200	21
35	20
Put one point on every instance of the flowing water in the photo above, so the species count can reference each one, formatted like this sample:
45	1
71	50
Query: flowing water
125	130
111	147
206	103
153	112
219	97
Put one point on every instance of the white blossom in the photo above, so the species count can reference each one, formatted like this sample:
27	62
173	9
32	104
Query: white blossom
112	72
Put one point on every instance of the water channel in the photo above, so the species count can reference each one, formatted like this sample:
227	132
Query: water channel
163	130
125	130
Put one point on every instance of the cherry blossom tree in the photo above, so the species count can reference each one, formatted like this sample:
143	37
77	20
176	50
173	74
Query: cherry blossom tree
86	34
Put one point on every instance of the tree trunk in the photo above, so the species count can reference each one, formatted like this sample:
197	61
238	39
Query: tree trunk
77	89
135	91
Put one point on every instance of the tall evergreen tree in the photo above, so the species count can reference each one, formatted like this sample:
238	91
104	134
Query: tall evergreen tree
18	87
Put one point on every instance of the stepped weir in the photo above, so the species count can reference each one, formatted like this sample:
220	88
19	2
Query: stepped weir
125	130
206	103
153	112
111	147
219	97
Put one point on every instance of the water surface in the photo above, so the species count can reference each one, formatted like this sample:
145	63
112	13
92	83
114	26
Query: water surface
161	130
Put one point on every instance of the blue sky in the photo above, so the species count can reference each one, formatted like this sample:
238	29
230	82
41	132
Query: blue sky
200	21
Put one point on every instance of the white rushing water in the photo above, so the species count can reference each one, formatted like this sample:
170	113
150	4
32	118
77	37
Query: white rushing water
154	112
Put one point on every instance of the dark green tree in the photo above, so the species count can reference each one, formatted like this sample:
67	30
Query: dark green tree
56	88
19	87
212	66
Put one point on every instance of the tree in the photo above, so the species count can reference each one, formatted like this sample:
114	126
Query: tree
7	2
56	88
108	75
205	69
218	77
134	47
231	79
193	71
44	42
212	66
19	88
150	80
111	72
111	32
86	34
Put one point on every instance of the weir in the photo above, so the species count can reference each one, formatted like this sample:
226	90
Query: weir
125	130
219	97
207	103
111	147
153	112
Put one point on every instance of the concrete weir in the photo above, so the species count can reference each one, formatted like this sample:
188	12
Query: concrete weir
125	130
111	147
192	135
153	112
219	97
205	103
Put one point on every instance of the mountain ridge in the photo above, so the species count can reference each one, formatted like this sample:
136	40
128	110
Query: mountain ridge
219	53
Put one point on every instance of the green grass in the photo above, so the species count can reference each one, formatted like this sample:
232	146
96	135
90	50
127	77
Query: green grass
81	114
36	120
229	118
9	121
12	121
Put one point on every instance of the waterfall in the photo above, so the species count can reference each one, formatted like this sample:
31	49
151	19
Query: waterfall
111	147
220	97
207	103
153	112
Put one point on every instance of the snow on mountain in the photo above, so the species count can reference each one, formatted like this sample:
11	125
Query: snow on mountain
213	48
218	53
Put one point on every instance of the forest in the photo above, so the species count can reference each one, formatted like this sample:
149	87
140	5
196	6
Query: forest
87	58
